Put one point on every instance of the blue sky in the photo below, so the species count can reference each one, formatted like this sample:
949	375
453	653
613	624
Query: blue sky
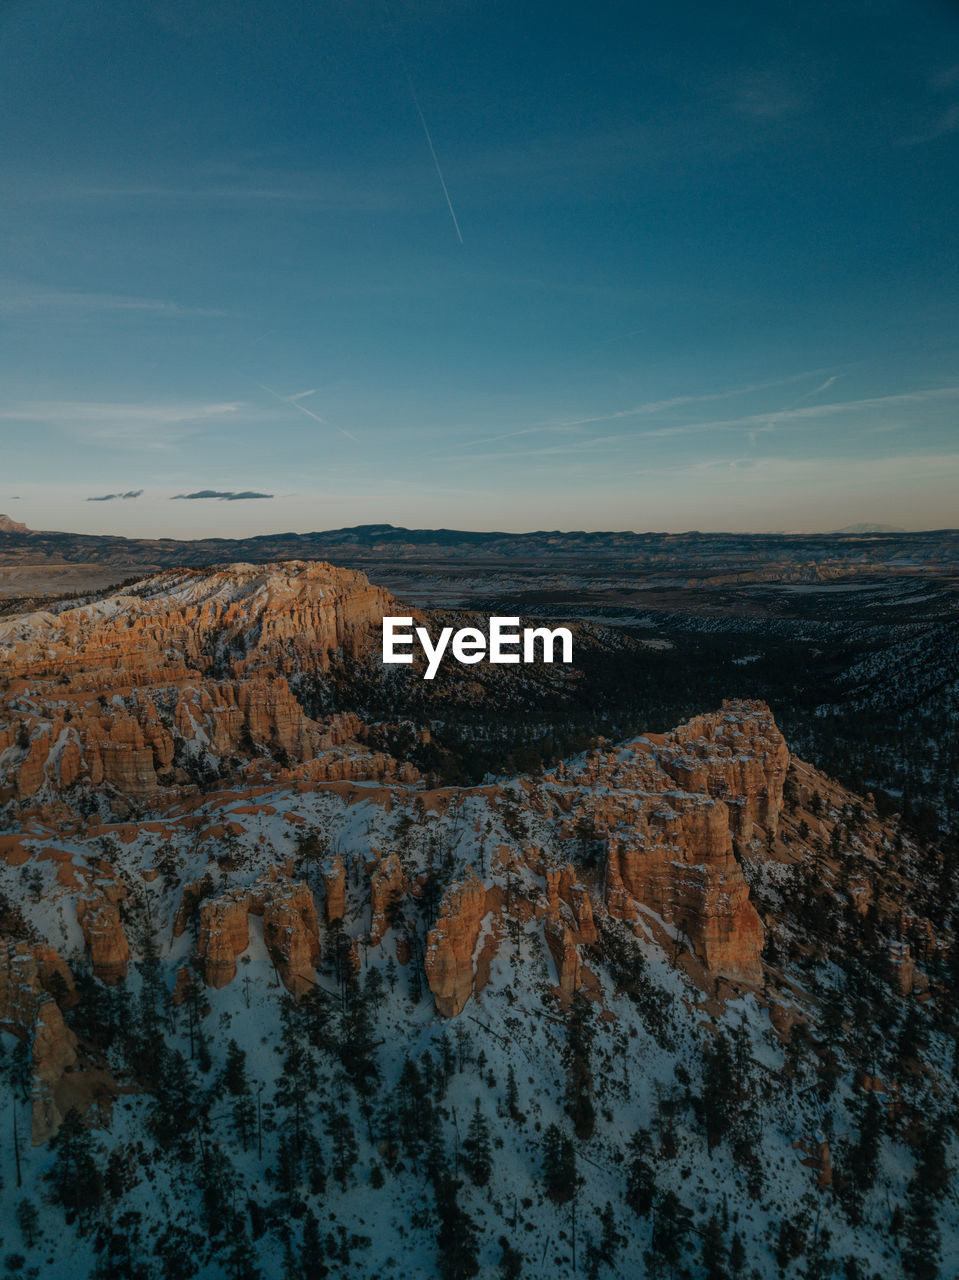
707	277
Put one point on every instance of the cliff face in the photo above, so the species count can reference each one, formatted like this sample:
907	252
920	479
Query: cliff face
666	810
106	693
103	933
387	885
32	981
451	945
736	755
289	931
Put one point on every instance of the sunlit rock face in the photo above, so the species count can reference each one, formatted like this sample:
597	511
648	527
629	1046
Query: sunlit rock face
33	983
194	658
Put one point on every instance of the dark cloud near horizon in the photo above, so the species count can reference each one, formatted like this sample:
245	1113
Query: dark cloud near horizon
225	495
112	497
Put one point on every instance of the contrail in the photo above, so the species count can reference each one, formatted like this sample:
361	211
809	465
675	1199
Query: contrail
294	403
439	171
419	111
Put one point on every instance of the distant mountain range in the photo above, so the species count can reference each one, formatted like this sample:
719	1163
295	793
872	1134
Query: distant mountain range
871	528
40	566
385	543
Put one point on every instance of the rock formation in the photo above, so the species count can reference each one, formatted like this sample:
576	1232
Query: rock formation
289	931
334	882
737	755
192	660
386	884
103	933
451	945
33	980
667	808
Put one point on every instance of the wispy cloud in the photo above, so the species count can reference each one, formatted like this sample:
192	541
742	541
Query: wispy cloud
224	495
945	123
765	95
112	497
18	300
229	184
151	426
946	79
649	408
815	473
941	121
808	412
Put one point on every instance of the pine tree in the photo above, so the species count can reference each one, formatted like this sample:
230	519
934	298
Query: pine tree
177	1105
241	1257
28	1220
713	1255
476	1149
719	1090
415	979
233	1075
640	1173
737	1255
672	1223
510	1261
559	1165
75	1175
314	1164
299	1078
177	1249
413	1112
932	1169
456	1236
312	1265
864	1156
579	1076
356	1043
512	1094
343	1144
287	1165
912	1036
243	1118
610	1239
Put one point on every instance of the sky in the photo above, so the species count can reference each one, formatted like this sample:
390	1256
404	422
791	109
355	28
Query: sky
478	264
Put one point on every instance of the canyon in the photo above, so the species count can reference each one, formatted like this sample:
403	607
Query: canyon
221	820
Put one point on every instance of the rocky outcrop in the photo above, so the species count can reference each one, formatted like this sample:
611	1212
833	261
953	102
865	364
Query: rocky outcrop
562	885
902	967
678	861
106	941
224	935
816	1156
353	765
334	883
190	899
289	931
563	940
291	935
667	808
34	982
562	948
387	883
198	658
451	945
737	755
